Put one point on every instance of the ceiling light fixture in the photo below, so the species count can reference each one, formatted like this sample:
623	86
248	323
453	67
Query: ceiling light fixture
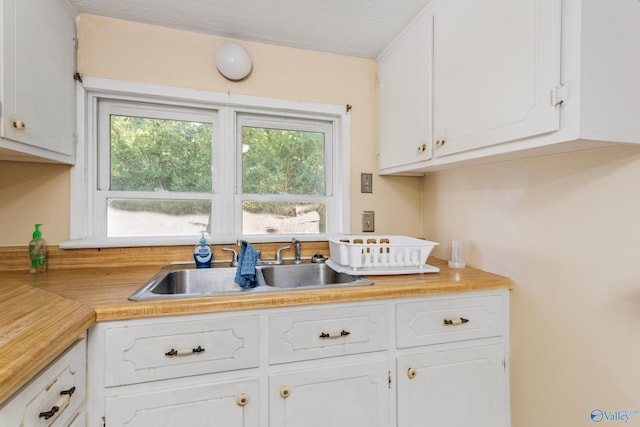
233	62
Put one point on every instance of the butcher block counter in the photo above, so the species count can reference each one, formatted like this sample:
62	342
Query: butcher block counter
41	315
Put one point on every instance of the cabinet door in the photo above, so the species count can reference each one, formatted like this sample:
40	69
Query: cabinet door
404	112
496	65
345	395
454	388
232	404
38	86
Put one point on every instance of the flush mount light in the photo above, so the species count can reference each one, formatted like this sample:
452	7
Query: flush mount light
233	62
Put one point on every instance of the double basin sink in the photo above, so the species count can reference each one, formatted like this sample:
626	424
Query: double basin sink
184	281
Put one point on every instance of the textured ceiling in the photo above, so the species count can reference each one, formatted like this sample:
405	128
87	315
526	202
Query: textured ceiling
350	27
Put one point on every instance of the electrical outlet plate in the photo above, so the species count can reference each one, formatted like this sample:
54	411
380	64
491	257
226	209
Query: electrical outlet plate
366	183
368	221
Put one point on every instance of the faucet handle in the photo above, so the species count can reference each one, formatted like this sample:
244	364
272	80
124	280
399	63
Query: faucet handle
234	259
279	252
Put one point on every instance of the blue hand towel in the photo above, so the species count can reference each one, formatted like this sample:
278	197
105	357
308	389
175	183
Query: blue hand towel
246	272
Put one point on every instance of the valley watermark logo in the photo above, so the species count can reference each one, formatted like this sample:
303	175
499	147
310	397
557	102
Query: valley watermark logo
600	416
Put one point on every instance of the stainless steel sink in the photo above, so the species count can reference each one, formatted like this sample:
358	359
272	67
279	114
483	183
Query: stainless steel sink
306	276
184	281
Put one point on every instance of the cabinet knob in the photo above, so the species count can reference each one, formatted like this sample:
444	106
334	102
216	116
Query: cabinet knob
440	142
411	373
19	124
242	399
285	391
422	148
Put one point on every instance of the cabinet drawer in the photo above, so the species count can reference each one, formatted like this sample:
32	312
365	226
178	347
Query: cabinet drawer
314	334
449	319
172	349
54	396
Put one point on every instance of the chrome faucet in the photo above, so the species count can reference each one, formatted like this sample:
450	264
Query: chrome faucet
277	260
296	246
234	258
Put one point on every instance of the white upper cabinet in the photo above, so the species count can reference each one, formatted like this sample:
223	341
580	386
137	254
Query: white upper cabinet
404	110
496	64
512	79
38	89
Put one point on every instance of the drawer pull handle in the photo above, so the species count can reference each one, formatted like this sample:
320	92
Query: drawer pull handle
458	321
342	333
411	373
173	352
61	403
242	399
68	392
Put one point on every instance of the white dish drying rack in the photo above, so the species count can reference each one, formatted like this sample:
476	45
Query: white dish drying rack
380	255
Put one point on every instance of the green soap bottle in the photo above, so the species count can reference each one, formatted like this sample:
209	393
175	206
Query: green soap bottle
37	252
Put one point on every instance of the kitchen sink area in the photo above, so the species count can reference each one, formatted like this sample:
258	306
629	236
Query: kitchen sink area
185	281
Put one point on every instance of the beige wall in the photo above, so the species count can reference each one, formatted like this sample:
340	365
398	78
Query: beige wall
33	193
128	51
567	230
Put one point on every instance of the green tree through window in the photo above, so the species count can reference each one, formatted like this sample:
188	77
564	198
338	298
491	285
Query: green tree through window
156	154
278	161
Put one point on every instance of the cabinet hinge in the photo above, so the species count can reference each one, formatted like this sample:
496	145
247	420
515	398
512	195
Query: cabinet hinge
504	364
104	421
559	95
389	376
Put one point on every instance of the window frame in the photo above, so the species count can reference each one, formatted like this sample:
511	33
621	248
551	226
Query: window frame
86	221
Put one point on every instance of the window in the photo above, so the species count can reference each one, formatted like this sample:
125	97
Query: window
154	169
284	176
158	165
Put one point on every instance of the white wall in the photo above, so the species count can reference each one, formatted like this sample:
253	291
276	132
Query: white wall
566	229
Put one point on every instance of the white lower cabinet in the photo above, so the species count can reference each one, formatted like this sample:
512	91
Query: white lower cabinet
456	388
346	395
428	361
452	358
55	397
219	404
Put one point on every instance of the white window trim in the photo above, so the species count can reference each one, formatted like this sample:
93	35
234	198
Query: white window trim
83	176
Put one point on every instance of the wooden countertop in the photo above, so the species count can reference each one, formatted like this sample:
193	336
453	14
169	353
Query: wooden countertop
35	327
41	315
106	290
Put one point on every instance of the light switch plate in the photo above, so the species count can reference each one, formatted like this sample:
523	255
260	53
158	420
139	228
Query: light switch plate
368	221
366	183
